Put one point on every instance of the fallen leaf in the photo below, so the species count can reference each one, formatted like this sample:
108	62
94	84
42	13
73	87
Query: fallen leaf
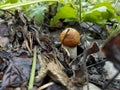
112	50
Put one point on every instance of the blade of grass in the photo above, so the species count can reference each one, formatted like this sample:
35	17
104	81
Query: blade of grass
32	74
14	5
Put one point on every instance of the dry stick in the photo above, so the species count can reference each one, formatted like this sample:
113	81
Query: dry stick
85	54
111	80
25	39
75	59
63	41
7	11
65	36
96	64
45	86
26	43
32	74
30	40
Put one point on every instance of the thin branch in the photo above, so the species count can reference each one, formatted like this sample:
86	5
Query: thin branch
45	86
105	87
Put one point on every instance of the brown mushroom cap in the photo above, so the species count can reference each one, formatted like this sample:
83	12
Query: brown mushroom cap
70	37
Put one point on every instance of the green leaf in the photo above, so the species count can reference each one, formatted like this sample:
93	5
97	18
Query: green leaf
65	12
14	5
107	5
99	14
11	1
118	18
117	8
37	13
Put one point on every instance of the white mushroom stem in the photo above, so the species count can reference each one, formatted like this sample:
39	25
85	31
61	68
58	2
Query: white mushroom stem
71	51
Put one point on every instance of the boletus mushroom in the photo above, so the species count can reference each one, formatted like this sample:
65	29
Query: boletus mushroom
70	38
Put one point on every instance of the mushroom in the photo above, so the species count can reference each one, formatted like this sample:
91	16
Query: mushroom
70	38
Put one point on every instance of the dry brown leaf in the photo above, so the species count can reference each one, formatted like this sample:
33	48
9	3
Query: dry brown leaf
50	66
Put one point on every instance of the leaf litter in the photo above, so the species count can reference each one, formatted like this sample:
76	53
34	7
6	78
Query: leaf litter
55	70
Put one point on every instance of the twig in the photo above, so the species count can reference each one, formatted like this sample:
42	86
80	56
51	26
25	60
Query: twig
32	75
30	40
111	80
98	63
85	54
75	59
45	86
26	41
7	11
65	36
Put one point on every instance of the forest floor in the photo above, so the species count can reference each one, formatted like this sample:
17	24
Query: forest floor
55	69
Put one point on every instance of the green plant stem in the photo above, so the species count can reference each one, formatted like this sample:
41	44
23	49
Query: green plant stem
32	74
80	11
115	3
